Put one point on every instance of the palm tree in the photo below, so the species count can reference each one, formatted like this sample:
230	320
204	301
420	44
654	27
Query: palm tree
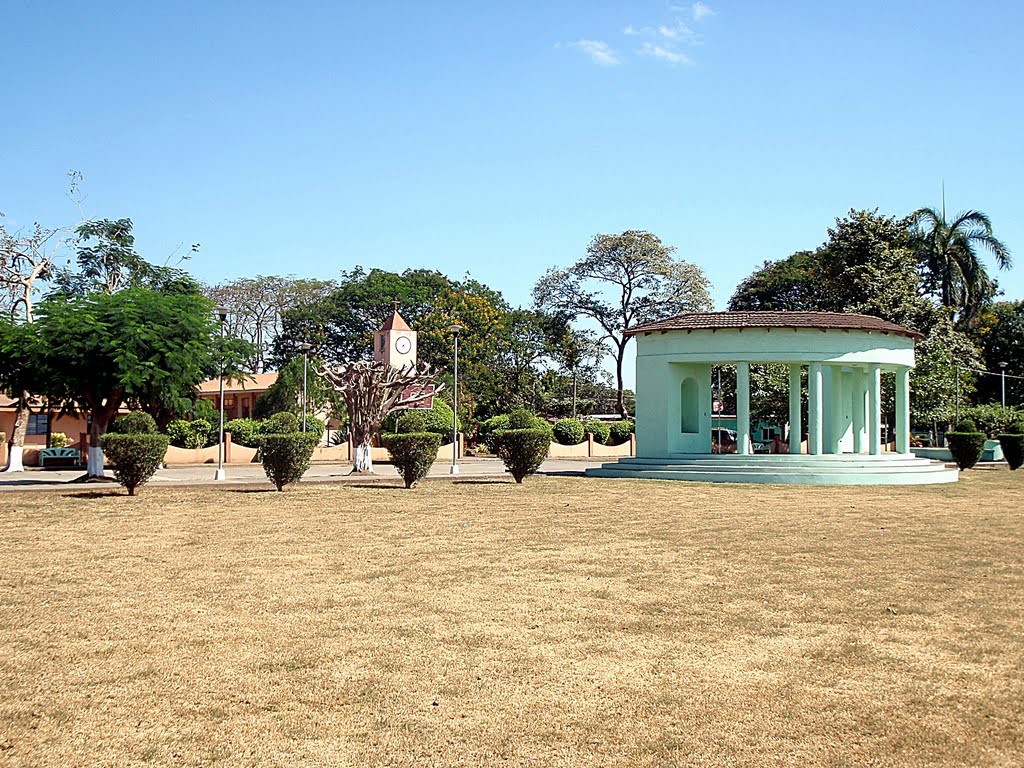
948	259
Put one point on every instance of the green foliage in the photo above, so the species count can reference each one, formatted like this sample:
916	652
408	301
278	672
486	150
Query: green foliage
135	456
521	419
491	428
134	423
599	430
966	425
413	453
625	280
281	423
57	440
1000	335
947	253
286	457
314	426
1013	446
523	450
966	447
619	432
244	431
991	419
203	409
188	434
411	421
153	347
568	432
439	419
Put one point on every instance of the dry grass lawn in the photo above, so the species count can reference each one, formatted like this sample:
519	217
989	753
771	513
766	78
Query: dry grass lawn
566	622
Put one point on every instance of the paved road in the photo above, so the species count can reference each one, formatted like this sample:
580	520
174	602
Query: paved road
249	474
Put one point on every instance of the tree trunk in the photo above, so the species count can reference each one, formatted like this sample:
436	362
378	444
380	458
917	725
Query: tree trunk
16	448
362	461
94	468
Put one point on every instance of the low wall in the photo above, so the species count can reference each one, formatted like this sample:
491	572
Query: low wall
591	449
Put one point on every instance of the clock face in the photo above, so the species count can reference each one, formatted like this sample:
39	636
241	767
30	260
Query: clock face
403	345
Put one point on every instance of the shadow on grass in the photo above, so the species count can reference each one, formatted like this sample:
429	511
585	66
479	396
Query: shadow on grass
508	481
94	495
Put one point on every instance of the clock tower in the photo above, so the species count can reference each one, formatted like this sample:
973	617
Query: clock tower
395	342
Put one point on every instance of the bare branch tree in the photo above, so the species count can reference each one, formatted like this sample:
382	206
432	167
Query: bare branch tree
373	391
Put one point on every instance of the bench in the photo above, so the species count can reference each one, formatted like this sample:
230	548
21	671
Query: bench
62	456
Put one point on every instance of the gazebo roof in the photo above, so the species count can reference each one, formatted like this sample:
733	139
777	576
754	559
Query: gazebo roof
822	321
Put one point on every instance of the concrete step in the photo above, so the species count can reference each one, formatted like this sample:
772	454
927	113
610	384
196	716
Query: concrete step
890	469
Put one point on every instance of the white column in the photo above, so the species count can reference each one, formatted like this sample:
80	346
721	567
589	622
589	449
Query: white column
795	427
860	411
814	409
903	410
875	410
742	408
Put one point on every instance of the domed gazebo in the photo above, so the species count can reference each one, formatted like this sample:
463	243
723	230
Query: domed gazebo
844	354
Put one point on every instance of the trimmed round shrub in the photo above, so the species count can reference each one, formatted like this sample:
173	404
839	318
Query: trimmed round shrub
521	419
285	457
598	429
1012	444
619	432
135	456
411	421
489	430
57	440
966	447
568	432
966	425
281	423
243	431
413	453
523	450
134	423
439	419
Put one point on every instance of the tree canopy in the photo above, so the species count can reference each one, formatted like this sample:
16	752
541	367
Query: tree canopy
624	280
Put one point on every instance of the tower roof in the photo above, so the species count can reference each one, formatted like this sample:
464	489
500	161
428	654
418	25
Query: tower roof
395	323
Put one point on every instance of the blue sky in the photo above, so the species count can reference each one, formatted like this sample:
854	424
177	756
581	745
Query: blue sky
497	138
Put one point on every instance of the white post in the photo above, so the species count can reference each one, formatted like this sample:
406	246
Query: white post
875	410
814	409
903	410
743	408
795	427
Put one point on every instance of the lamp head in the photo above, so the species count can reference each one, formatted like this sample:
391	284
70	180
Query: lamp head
1003	365
455	328
305	347
222	313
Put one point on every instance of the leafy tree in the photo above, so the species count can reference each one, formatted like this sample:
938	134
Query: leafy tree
999	333
948	258
93	353
107	262
257	305
644	281
26	259
792	284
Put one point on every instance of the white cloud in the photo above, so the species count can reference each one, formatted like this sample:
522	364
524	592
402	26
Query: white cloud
631	30
701	11
664	53
598	51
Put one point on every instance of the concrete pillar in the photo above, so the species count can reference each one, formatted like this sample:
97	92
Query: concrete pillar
814	396
875	410
836	410
859	404
903	410
743	408
795	427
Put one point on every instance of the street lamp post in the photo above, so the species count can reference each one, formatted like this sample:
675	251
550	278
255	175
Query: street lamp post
455	328
305	347
1003	366
220	474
